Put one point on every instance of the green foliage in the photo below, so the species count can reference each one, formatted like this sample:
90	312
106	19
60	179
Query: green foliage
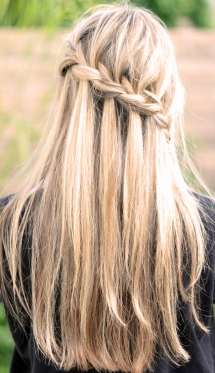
201	14
172	11
46	13
54	13
6	343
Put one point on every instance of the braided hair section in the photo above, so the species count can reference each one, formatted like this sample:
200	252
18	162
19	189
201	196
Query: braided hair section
146	104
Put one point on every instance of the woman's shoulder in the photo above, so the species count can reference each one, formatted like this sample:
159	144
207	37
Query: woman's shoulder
207	210
207	202
5	200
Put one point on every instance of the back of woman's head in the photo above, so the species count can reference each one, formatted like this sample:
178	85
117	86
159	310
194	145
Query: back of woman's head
116	232
125	53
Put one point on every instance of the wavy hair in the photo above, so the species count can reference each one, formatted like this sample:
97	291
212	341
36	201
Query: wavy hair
113	231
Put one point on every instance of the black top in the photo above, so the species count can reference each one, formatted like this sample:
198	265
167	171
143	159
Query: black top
200	346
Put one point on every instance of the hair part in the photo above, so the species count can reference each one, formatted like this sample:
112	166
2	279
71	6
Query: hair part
112	228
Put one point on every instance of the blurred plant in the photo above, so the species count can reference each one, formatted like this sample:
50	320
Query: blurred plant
46	13
6	342
171	11
54	13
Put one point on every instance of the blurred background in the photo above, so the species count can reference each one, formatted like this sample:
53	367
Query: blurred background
31	37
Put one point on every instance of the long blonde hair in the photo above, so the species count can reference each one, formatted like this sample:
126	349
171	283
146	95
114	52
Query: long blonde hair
114	234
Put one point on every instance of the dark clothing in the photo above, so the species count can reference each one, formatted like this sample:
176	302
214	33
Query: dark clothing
200	346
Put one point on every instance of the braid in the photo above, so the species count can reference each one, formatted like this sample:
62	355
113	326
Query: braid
146	104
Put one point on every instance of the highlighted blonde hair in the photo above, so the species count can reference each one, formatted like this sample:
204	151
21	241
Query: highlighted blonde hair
113	228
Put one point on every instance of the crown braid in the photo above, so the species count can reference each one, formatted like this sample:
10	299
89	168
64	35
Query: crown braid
147	104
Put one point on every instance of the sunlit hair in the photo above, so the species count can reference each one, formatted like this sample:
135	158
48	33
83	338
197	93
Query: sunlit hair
112	229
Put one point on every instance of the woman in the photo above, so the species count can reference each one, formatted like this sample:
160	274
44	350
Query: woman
107	255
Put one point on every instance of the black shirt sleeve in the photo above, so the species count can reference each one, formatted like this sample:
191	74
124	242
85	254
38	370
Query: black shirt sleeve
3	202
209	224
